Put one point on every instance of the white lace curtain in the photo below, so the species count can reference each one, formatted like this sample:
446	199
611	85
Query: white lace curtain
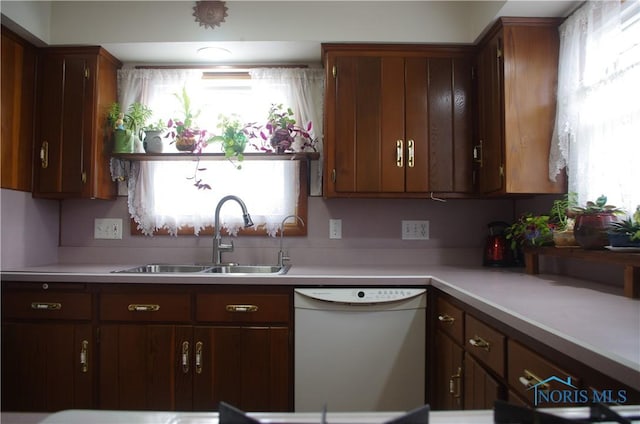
597	130
159	193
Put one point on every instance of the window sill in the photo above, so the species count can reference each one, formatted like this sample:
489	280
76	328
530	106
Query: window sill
215	156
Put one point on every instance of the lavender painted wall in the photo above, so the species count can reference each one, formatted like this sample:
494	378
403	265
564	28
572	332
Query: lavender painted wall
371	232
30	230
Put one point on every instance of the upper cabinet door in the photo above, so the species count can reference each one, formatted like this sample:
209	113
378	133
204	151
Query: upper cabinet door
517	80
397	121
77	86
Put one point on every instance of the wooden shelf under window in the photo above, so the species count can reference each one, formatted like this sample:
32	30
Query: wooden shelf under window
630	261
215	156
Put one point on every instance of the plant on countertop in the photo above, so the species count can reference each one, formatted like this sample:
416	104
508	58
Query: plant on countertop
562	212
182	131
599	206
281	131
234	138
530	230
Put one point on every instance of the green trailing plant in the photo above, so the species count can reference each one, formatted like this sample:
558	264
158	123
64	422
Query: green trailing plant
234	138
159	125
530	230
281	130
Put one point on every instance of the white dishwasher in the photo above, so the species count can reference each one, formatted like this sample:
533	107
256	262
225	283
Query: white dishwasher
359	349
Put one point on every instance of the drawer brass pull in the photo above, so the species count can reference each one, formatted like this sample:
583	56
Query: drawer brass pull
454	383
84	356
447	319
46	306
135	307
478	341
199	358
242	308
529	380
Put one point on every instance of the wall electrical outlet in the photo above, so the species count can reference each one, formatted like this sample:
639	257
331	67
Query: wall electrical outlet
415	230
107	228
335	228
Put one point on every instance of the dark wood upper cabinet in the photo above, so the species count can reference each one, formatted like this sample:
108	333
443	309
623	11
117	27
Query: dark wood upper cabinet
517	73
19	66
73	147
398	120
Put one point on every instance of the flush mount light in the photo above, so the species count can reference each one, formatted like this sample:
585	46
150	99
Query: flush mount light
213	52
210	13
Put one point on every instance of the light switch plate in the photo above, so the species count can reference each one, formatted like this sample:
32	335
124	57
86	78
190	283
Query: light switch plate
335	228
415	230
107	228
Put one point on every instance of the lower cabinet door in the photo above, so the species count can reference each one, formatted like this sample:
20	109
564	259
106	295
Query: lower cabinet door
481	390
145	367
448	371
248	367
47	367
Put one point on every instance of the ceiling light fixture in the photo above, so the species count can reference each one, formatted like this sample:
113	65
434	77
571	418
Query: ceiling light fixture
213	52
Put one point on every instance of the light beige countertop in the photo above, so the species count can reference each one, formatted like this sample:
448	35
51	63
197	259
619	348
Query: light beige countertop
593	323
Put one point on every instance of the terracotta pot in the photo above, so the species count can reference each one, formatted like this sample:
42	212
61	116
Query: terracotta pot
186	144
591	230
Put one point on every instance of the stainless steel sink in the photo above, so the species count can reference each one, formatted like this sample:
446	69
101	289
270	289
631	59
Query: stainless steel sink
206	268
248	269
166	268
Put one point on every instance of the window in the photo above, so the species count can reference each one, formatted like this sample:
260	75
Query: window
161	193
598	116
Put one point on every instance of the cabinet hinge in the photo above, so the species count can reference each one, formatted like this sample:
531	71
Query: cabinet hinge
501	170
334	71
498	53
86	73
473	72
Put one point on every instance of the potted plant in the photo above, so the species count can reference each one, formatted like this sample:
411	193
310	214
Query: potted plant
593	222
563	219
127	126
530	231
153	136
182	131
234	138
626	233
281	131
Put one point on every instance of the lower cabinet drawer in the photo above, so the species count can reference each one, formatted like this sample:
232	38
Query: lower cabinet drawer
240	307
145	307
530	374
450	319
485	343
46	305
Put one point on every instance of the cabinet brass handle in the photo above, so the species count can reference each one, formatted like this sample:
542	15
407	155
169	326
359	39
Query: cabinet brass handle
477	154
529	380
46	306
454	383
478	341
198	357
411	149
84	356
447	319
399	154
185	357
136	307
44	155
242	308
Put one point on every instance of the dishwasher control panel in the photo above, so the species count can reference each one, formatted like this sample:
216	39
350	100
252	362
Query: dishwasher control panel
361	295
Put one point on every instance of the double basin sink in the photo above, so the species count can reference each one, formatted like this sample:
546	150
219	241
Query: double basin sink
207	269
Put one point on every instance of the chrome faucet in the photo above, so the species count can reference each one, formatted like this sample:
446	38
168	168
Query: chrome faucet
218	246
282	257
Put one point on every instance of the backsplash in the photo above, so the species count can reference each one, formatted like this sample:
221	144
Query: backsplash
371	234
